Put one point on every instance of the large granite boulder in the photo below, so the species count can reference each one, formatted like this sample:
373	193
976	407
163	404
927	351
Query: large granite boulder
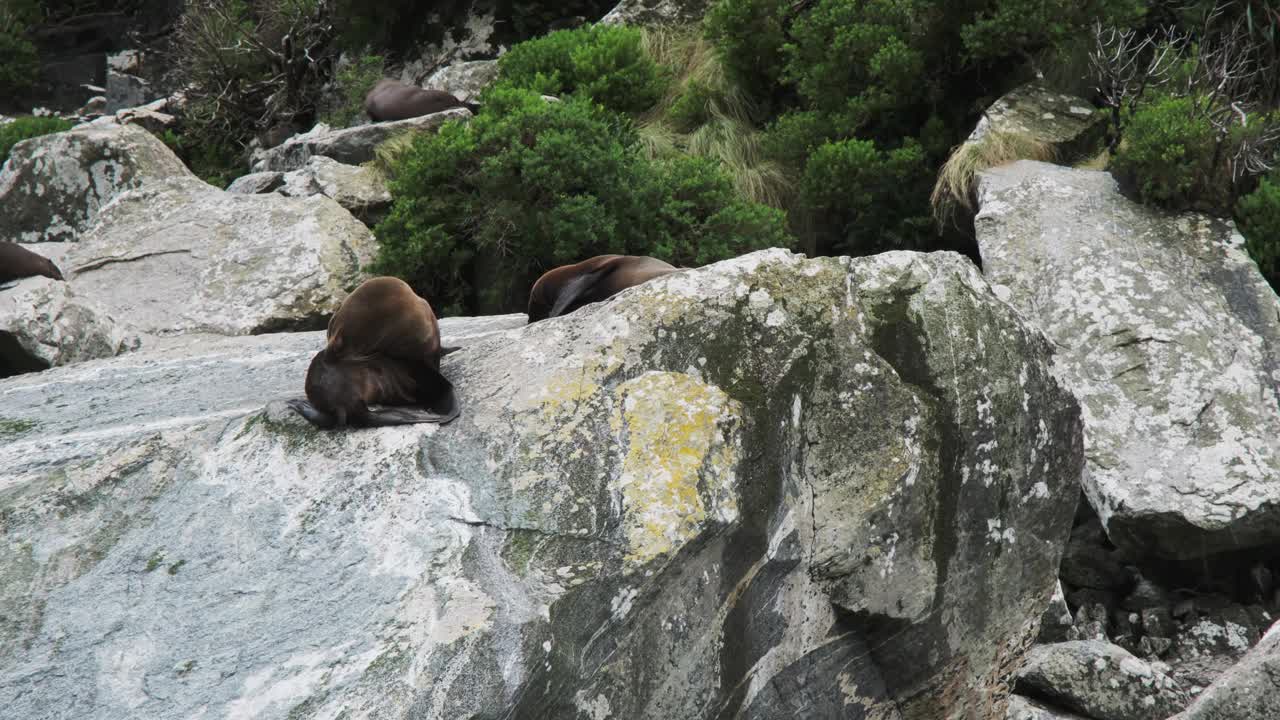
1170	338
656	12
1021	708
464	80
44	323
352	145
771	487
52	186
1101	681
1067	125
182	256
1248	691
361	190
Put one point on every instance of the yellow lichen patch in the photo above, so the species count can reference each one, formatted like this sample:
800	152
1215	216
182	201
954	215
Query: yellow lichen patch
681	449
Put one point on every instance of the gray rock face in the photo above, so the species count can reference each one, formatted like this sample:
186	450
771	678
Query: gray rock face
182	256
350	145
45	323
1099	680
1070	125
361	190
1021	708
126	91
52	186
256	183
649	508
465	80
656	12
1056	621
1168	335
1248	691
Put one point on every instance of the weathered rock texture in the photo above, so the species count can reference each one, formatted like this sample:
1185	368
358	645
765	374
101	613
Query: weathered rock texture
1100	680
361	190
52	186
44	323
182	256
656	12
1248	691
1168	335
465	80
1021	708
1070	126
772	487
350	145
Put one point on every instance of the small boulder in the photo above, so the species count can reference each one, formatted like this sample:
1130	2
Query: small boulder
1248	691
361	190
656	12
352	146
1100	680
256	183
1021	708
464	80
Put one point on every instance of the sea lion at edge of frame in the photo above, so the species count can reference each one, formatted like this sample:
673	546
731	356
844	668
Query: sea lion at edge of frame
380	364
394	100
17	262
566	288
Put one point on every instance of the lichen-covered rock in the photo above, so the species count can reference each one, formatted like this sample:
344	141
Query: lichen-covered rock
771	487
1069	125
361	190
259	182
45	323
656	12
1169	336
125	90
1248	691
465	80
1021	708
352	145
182	256
52	186
1099	680
1056	620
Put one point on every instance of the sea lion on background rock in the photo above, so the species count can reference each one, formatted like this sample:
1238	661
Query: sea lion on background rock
382	349
564	289
17	262
393	100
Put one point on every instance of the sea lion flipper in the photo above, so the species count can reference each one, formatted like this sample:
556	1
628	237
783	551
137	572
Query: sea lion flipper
304	408
446	350
9	284
405	415
574	290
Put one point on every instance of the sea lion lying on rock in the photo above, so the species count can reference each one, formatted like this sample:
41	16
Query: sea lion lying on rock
381	363
393	100
17	262
564	289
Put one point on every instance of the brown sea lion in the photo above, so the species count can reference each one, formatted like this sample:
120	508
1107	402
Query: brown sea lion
383	349
393	100
564	289
17	262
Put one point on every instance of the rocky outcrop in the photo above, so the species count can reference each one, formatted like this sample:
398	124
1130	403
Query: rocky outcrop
1068	126
52	186
259	182
656	12
1021	708
765	488
350	145
464	80
1099	680
1248	691
361	190
181	256
1170	338
45	323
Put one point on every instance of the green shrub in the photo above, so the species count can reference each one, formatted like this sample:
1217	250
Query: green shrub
1258	215
18	60
749	36
1005	28
215	162
351	85
1172	156
867	200
23	128
604	62
530	184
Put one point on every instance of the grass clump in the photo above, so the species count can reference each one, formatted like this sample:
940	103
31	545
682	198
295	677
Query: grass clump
956	186
25	128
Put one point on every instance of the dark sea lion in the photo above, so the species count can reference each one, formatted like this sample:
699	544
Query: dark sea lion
564	289
393	100
381	362
17	262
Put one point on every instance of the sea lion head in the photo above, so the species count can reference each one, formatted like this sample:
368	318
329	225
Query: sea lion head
332	390
51	270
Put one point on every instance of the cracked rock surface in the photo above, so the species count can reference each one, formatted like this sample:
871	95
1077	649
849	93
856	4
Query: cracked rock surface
351	146
1100	680
179	256
1170	338
1250	690
770	487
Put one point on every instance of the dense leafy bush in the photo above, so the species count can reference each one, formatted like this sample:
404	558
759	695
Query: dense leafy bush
22	128
1168	153
530	184
603	62
18	60
1258	215
749	35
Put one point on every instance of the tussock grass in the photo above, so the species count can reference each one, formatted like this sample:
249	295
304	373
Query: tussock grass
956	187
387	154
705	114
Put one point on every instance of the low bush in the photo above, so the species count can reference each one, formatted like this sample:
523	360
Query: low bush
217	163
1258	216
1168	155
530	184
23	128
606	63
